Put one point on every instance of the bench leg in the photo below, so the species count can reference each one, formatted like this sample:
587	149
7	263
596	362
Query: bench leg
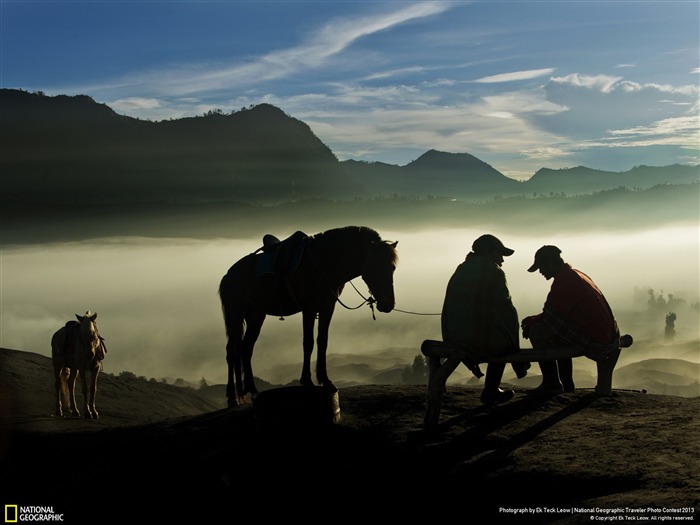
605	373
437	379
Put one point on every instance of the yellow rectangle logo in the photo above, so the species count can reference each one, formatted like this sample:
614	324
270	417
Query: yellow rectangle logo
11	513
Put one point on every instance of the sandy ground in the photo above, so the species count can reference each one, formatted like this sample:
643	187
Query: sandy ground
167	455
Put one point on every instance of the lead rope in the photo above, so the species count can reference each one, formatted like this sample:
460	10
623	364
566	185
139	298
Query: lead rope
366	300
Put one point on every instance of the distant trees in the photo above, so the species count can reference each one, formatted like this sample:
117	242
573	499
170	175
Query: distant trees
670	331
417	373
670	308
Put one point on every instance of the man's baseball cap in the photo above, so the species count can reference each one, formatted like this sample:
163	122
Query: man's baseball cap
487	243
544	254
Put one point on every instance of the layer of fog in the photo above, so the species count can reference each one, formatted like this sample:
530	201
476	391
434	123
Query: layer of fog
159	311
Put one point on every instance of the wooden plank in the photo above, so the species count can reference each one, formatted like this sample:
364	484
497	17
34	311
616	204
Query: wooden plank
442	350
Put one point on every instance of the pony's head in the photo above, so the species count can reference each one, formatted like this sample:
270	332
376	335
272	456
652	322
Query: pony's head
378	273
89	336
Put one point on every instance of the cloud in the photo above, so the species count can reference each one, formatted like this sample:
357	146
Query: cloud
678	131
327	42
602	83
136	103
515	76
602	110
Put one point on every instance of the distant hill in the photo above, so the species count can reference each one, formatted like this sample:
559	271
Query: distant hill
675	377
572	181
435	173
73	149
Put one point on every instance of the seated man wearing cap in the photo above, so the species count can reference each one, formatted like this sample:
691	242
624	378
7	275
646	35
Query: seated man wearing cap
575	314
478	313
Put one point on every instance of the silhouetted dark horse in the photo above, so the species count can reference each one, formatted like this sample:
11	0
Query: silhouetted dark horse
301	274
77	348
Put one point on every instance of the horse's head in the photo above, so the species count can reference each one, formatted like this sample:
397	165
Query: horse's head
89	336
378	273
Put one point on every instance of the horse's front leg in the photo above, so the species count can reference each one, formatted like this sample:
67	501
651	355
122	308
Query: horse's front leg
84	383
324	322
93	392
70	383
308	323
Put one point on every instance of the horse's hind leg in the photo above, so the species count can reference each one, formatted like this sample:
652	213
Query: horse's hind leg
234	331
254	320
61	390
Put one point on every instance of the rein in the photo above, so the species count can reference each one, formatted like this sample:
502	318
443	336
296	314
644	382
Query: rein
370	301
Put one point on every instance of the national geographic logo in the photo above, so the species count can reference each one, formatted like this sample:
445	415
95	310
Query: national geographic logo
21	514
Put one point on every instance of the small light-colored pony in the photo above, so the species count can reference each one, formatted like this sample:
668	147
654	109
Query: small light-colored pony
77	348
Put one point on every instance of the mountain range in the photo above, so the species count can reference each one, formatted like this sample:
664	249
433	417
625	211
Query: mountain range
72	149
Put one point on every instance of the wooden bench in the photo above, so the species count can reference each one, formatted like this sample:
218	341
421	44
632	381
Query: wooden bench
444	358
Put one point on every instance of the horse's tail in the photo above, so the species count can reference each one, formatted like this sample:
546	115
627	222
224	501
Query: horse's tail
226	296
223	298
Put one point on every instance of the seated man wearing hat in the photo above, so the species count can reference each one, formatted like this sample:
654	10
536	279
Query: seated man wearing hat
478	313
575	314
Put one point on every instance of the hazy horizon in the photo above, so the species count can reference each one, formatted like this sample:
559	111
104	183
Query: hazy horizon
159	310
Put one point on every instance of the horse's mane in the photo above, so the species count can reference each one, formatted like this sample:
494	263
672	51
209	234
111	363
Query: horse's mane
343	234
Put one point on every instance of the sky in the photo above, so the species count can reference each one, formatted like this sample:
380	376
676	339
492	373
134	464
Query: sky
520	84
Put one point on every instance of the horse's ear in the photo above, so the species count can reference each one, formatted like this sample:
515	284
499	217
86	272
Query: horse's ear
78	317
393	245
93	317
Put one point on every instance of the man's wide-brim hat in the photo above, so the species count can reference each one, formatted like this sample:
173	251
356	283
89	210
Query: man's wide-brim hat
488	243
544	255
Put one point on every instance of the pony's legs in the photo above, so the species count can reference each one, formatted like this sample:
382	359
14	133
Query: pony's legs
308	323
70	382
84	380
60	376
324	321
93	392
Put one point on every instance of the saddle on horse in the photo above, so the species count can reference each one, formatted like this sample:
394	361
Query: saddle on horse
67	335
281	257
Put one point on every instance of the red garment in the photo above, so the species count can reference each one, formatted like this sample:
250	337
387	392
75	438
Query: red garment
575	299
